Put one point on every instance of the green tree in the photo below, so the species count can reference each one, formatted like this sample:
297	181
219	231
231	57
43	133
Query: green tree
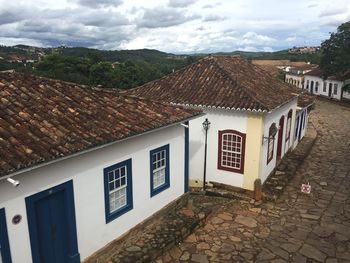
102	74
336	51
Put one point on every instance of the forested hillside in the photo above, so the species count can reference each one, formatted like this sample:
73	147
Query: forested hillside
118	69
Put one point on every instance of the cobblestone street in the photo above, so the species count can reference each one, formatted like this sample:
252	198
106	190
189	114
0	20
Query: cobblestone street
297	227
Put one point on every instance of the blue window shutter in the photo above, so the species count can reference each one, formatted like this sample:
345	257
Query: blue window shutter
110	216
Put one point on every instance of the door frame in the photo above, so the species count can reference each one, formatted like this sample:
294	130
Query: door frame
330	89
67	187
280	137
4	241
187	153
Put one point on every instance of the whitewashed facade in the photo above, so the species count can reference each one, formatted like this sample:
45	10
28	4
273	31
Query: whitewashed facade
86	173
295	80
238	120
275	117
331	87
220	120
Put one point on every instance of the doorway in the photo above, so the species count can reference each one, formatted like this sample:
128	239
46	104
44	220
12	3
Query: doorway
280	138
5	255
52	229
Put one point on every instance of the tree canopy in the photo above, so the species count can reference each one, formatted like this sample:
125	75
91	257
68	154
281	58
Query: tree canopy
336	51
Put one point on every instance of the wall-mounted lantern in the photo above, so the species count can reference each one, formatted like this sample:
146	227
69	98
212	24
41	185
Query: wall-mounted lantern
272	133
206	126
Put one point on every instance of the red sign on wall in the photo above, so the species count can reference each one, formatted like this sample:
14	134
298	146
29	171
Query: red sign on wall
306	188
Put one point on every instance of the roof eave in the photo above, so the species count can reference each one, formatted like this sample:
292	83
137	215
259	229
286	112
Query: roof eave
75	154
219	107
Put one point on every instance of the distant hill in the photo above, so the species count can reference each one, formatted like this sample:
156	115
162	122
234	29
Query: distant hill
114	68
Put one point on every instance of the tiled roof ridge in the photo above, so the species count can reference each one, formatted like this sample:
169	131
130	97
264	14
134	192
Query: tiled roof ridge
115	91
48	123
95	88
236	82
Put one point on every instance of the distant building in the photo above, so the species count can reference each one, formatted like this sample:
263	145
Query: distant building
303	50
295	75
331	87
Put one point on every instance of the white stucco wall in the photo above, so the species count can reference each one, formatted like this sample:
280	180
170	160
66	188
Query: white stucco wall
274	117
86	171
323	88
339	88
346	95
220	120
314	79
294	80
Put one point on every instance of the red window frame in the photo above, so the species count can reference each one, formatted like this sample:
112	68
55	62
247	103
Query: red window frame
269	158
221	150
289	128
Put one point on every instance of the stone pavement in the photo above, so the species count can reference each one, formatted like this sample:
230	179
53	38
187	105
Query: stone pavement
297	227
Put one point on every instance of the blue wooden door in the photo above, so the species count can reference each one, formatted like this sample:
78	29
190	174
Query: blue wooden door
5	255
51	220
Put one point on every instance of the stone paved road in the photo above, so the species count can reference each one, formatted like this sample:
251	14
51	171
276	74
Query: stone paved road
298	227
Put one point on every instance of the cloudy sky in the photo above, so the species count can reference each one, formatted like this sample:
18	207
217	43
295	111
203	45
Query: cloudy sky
177	26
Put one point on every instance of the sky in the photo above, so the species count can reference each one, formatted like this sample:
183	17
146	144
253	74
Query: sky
176	26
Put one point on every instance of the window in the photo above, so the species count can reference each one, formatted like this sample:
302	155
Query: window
231	151
316	86
118	189
289	122
160	179
307	84
324	87
271	143
335	88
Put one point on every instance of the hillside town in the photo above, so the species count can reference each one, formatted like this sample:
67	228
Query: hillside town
141	155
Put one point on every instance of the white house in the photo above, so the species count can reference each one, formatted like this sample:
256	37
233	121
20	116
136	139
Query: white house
331	87
91	164
295	75
252	116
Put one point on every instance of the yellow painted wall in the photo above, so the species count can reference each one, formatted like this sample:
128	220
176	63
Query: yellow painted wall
253	150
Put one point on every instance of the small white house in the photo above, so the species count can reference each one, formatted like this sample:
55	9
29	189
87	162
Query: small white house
251	115
90	164
332	87
295	75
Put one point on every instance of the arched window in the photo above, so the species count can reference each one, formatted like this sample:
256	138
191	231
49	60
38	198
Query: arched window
316	86
231	151
271	143
307	84
289	123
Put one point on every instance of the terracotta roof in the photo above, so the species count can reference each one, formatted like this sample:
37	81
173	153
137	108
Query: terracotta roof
320	73
43	119
315	72
271	69
276	62
228	82
305	100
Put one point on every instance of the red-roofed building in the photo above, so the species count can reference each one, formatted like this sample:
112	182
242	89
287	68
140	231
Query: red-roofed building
252	117
91	164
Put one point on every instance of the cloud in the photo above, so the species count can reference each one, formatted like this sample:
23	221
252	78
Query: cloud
250	38
312	5
11	16
181	3
99	3
209	6
332	12
212	18
163	17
